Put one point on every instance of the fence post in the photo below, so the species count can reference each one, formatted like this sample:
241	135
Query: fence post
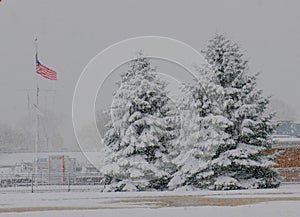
32	183
69	182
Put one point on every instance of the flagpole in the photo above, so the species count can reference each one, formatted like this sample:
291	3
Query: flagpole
37	117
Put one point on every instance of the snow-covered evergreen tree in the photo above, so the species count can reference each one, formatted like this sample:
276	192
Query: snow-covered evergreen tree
240	162
138	141
202	133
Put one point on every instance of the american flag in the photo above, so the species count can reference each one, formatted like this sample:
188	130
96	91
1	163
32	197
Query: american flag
45	71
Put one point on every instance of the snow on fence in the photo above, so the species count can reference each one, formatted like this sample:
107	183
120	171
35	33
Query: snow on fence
50	182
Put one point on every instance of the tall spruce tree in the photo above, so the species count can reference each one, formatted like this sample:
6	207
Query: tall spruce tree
242	161
202	133
138	141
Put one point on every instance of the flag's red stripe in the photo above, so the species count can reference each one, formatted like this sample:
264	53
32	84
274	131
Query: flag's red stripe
46	72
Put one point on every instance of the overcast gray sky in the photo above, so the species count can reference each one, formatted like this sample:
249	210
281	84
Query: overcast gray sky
71	32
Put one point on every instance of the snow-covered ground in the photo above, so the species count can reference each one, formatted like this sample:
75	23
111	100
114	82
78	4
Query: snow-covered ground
284	201
274	209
